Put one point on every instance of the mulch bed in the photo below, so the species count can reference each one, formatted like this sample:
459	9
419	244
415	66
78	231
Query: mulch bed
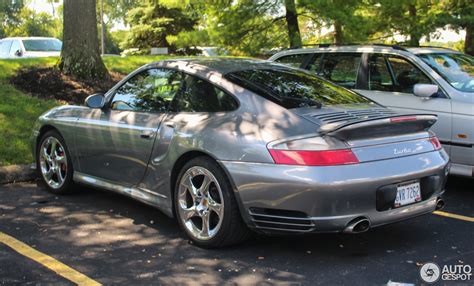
50	83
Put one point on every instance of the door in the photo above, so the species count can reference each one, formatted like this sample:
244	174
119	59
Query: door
390	82
115	143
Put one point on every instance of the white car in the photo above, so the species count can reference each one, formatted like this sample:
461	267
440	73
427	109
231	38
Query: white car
422	80
29	47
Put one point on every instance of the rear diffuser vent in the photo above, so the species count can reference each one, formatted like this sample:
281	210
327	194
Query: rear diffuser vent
281	220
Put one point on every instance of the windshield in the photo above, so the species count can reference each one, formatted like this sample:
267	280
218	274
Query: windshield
42	45
292	88
457	69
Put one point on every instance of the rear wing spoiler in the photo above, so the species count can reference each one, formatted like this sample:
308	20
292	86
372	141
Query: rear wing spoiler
388	125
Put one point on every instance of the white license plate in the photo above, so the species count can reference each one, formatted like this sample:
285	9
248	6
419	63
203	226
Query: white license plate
408	194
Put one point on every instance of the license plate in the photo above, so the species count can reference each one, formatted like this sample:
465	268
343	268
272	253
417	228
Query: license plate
408	194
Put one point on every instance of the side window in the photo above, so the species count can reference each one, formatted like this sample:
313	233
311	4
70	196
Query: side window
341	68
149	91
14	48
405	74
379	74
315	63
198	95
293	60
5	48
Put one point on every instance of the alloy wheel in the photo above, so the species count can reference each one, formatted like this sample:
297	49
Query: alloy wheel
200	203
53	162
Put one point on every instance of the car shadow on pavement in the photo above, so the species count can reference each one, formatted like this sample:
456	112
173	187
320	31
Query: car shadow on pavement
115	239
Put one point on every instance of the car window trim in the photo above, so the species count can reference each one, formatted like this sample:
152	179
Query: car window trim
111	93
340	53
215	86
433	81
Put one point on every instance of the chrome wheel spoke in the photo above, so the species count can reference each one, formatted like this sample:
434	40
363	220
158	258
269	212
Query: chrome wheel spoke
204	188
205	225
189	212
49	174
215	207
61	159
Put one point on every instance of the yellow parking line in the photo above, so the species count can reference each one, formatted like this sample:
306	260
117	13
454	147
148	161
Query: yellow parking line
47	261
455	216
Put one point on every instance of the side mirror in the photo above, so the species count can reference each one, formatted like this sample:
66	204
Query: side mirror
96	101
18	53
425	90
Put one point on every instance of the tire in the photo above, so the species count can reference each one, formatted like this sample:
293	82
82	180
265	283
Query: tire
49	163
194	205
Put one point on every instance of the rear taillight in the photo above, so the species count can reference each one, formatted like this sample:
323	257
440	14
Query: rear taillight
436	143
314	158
403	118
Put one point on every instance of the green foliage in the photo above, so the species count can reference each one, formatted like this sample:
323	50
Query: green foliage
354	20
241	26
9	10
152	22
32	24
413	18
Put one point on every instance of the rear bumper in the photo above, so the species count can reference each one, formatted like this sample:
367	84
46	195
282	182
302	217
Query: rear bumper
325	199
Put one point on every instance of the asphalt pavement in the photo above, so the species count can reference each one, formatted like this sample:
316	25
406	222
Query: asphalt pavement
112	239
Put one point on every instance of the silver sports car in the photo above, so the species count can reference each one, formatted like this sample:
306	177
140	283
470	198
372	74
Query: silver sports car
229	145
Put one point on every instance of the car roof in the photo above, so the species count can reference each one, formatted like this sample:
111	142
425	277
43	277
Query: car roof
221	65
375	48
28	38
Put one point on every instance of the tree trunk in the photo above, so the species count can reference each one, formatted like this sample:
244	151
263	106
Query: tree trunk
414	35
80	55
292	24
469	41
338	34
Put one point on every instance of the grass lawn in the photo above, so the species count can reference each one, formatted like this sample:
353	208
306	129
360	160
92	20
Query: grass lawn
19	111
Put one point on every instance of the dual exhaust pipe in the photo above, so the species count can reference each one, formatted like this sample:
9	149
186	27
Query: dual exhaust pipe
362	224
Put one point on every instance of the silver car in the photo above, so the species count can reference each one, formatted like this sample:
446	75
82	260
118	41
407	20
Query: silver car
423	79
227	145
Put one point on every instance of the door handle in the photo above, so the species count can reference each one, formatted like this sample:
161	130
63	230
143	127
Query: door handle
146	134
175	124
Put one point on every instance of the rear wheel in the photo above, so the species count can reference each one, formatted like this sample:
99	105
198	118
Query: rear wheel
53	163
206	207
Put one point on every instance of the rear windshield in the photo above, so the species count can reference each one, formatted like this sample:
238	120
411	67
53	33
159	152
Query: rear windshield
292	88
42	45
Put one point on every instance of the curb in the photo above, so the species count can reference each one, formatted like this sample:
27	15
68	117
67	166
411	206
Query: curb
16	173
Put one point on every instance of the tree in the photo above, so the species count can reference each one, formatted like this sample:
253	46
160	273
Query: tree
9	15
292	24
80	55
152	22
459	14
30	23
352	20
412	18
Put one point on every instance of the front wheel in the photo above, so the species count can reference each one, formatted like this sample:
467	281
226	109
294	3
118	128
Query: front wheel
53	163
206	207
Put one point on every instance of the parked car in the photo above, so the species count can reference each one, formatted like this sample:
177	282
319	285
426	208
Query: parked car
29	47
227	144
423	79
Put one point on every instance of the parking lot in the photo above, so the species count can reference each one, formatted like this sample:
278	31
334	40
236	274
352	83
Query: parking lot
97	236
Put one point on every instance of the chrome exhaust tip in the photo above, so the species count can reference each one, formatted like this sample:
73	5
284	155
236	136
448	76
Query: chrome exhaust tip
358	225
439	204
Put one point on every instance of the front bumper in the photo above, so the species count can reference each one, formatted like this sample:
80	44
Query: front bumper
326	199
